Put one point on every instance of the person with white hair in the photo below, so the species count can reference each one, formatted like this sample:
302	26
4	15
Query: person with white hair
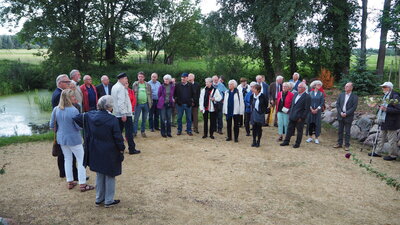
166	104
244	88
389	120
209	96
219	106
247	110
314	117
75	77
296	81
154	113
89	94
105	87
62	83
105	145
233	108
283	104
274	88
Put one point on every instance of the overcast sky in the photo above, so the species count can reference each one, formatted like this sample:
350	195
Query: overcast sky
374	7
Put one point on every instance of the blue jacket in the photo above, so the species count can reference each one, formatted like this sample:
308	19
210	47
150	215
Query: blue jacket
104	142
247	102
67	130
265	87
221	88
55	98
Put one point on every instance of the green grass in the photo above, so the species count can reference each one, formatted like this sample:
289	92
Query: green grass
23	55
43	101
4	141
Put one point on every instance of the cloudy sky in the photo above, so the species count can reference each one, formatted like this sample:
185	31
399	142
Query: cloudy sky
374	7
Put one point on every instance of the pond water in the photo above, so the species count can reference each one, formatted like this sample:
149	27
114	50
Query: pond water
19	115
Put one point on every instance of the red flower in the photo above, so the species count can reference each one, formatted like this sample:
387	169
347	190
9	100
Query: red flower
347	155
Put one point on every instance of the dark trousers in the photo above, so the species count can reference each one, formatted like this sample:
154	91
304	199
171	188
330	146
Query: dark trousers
195	118
241	120
247	116
213	122
299	128
218	111
166	120
154	115
257	132
344	126
235	119
311	129
128	125
60	162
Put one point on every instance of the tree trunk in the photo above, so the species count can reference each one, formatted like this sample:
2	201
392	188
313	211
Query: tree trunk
383	39
293	64
265	51
363	53
277	57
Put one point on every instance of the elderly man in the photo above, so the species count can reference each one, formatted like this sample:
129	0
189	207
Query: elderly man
89	93
123	110
144	102
104	88
274	88
297	115
62	82
219	105
184	94
244	88
195	107
389	121
296	81
75	77
346	105
154	113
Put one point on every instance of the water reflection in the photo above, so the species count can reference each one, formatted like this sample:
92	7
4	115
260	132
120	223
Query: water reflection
19	115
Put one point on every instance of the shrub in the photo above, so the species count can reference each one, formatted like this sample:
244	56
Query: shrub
326	78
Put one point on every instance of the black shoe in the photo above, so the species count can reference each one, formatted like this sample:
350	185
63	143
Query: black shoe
163	135
196	131
134	152
99	203
169	135
258	144
190	133
204	136
254	144
284	144
134	135
275	125
220	132
112	204
389	158
152	130
179	133
157	129
228	139
248	134
212	137
375	154
236	140
296	146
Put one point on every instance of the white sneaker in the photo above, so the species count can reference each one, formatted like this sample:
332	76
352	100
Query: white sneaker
316	141
309	140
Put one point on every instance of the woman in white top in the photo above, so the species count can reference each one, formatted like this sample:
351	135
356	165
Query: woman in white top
208	97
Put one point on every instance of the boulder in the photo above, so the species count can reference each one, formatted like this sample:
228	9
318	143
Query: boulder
370	139
329	117
369	116
334	111
355	131
336	124
373	129
354	122
364	123
333	104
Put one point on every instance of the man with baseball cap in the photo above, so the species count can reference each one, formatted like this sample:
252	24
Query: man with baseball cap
389	119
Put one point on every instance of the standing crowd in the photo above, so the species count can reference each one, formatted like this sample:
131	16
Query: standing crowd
108	114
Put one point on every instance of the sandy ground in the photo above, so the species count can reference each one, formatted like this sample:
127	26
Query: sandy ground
190	180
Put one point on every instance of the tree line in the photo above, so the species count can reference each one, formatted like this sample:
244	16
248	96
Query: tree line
284	36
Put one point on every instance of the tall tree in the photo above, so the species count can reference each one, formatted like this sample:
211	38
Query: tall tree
385	26
363	53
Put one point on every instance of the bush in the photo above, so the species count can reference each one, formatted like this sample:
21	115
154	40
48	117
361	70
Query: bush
326	78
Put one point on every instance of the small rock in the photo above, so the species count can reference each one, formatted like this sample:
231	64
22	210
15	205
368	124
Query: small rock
335	124
333	105
364	123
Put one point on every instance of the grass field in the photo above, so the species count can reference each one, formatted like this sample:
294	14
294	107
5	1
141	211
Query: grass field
28	56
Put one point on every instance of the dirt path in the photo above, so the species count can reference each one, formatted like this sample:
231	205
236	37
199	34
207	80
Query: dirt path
190	180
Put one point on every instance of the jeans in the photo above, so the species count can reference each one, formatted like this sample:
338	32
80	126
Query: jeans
344	126
188	111
128	125
105	188
166	113
213	122
220	123
236	119
154	115
78	152
283	121
144	109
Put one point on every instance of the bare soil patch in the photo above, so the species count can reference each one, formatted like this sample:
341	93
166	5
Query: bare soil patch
190	180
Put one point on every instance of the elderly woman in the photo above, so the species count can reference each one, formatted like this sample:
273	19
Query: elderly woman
233	108
283	103
106	148
314	117
69	137
247	110
166	104
259	106
209	96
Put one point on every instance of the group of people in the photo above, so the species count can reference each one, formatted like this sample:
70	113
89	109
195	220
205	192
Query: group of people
103	112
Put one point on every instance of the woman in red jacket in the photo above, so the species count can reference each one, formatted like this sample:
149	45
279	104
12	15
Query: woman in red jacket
131	96
283	103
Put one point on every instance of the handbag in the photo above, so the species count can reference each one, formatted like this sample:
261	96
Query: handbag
56	151
285	110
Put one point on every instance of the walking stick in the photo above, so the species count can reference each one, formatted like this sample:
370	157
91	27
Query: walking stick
375	142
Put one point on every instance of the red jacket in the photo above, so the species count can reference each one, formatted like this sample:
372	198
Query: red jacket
133	98
288	100
85	99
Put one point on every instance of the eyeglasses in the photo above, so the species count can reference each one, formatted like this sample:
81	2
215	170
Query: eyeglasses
66	81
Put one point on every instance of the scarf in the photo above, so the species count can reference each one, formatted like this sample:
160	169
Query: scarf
257	102
382	114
